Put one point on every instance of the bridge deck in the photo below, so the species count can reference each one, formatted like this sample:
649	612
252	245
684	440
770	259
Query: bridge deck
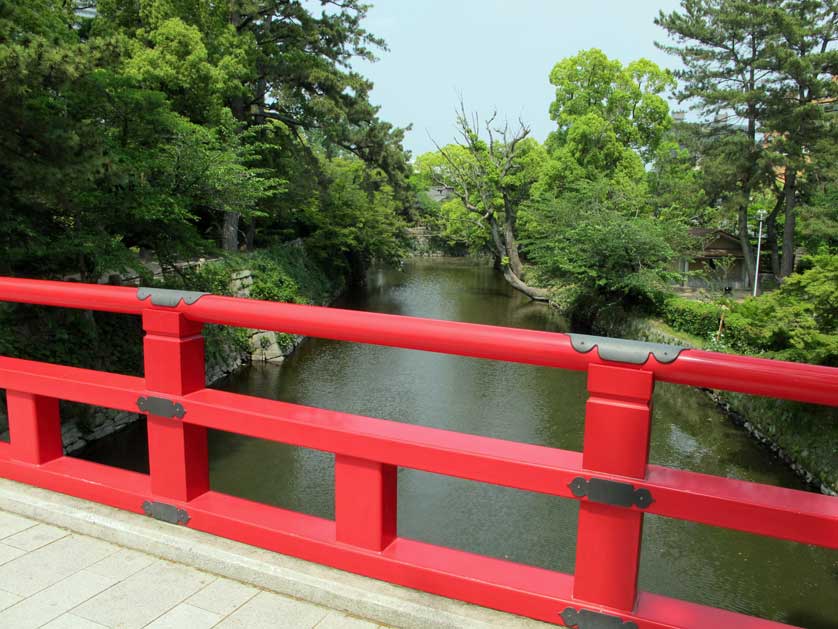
56	579
67	563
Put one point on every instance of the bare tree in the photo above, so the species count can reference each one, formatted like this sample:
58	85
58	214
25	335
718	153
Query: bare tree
482	183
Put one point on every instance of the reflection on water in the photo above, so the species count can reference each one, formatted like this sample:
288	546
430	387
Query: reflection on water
769	578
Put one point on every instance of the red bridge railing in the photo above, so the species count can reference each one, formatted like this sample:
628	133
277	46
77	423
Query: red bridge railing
611	478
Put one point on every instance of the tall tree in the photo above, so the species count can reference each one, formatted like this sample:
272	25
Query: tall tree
610	118
301	75
281	61
725	48
96	163
802	63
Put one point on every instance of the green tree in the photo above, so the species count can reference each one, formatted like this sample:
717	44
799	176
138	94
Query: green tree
490	178
799	321
172	57
301	75
725	47
606	263
356	220
817	216
96	162
610	118
271	61
801	64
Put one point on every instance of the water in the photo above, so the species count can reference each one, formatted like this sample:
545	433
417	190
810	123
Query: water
780	580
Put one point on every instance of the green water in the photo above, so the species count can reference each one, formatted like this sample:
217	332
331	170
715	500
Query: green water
783	581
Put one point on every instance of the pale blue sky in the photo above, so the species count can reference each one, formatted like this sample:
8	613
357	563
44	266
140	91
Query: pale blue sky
496	53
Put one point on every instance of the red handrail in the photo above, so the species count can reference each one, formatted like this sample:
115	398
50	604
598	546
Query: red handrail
611	477
745	374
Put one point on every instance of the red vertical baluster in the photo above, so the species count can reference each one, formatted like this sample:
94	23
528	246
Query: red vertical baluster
365	502
34	427
174	365
617	424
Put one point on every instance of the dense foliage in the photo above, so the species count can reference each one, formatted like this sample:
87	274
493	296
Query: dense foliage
620	195
164	130
764	70
798	321
574	219
154	127
606	263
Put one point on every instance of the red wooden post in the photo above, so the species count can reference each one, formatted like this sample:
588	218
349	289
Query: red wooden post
617	424
365	502
174	364
34	427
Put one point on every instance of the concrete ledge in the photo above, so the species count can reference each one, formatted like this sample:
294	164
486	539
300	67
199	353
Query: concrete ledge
359	596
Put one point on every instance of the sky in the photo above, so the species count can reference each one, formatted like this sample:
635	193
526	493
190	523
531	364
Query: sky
497	54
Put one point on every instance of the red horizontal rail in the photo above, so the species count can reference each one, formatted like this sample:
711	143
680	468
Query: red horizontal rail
481	580
799	516
121	299
745	374
369	451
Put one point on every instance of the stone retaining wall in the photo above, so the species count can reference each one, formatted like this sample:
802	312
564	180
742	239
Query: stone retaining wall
101	422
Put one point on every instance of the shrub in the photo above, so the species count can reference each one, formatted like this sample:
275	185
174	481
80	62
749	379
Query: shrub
695	317
797	322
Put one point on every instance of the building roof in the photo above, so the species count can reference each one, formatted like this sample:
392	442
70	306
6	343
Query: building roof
717	243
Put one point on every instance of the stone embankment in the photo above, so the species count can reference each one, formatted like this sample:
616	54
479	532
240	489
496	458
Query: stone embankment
264	345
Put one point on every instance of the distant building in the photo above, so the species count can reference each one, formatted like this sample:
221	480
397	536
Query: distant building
439	194
720	263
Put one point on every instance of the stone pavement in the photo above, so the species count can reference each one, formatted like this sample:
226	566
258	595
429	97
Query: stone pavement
56	579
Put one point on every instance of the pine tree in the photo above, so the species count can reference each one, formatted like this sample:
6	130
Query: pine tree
725	47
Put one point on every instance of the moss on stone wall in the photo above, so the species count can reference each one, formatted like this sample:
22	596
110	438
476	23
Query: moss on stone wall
109	342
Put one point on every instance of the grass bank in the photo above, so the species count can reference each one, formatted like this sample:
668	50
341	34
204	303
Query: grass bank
805	436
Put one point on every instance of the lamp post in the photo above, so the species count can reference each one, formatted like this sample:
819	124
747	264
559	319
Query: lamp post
761	217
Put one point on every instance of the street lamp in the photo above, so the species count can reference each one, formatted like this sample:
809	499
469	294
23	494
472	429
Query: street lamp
761	217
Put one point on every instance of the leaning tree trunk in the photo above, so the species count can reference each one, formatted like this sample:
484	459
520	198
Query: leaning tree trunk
788	227
512	251
533	292
510	218
503	250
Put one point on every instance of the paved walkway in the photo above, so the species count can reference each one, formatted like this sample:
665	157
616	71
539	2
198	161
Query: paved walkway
56	579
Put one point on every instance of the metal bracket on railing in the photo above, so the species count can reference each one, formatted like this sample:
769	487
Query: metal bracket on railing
623	350
611	492
165	512
585	619
168	297
161	407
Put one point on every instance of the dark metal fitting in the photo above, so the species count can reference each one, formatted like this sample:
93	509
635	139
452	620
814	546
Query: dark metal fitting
611	492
